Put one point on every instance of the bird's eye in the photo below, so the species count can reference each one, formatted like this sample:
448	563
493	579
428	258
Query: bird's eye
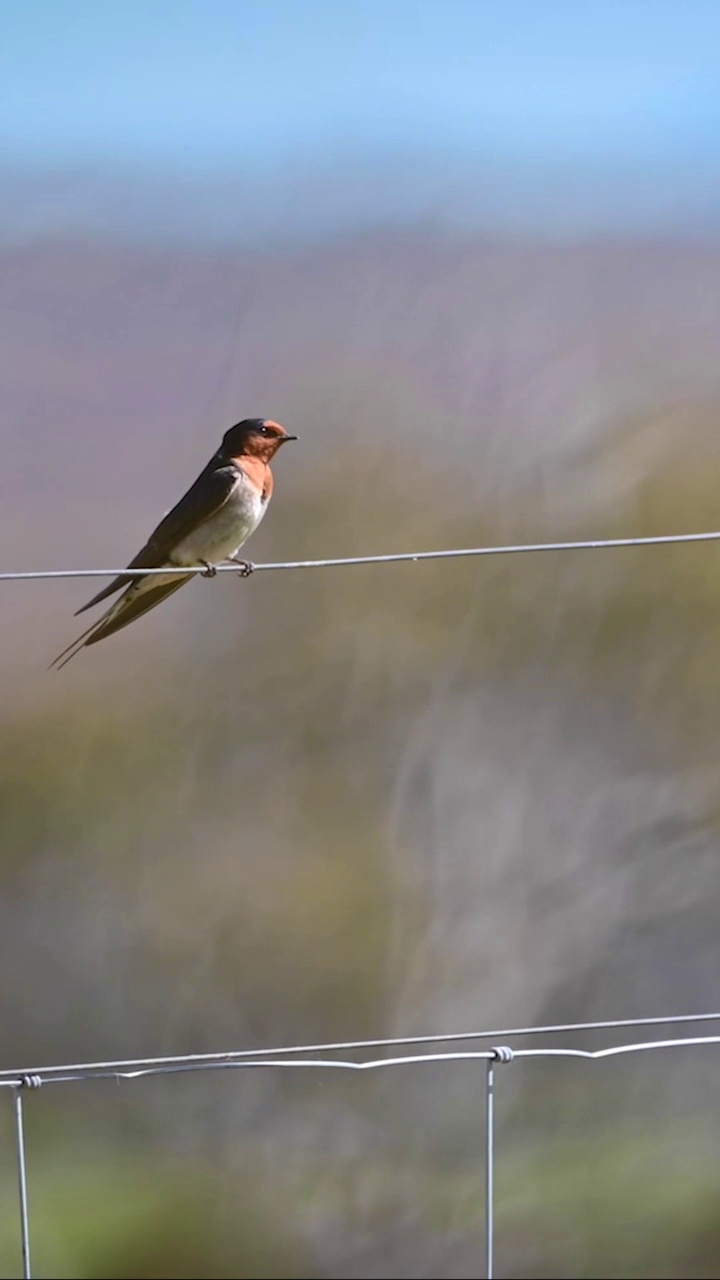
264	431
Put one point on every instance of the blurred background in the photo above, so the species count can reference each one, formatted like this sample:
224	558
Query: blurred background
470	253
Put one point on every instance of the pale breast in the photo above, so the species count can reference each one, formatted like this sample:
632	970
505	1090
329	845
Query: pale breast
225	533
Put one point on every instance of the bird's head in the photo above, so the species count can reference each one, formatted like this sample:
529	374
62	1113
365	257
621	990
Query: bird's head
254	437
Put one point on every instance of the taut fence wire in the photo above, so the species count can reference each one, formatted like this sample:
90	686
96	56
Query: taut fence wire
20	1083
403	557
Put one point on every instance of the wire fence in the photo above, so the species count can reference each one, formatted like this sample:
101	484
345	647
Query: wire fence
22	1082
403	557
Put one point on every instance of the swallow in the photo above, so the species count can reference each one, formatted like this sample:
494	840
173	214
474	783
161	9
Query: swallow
208	525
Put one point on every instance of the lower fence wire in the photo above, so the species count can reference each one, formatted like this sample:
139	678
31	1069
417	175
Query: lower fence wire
20	1082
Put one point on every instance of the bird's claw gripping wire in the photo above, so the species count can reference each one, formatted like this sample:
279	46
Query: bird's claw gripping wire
245	567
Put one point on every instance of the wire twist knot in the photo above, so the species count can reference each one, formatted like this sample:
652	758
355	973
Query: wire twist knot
502	1053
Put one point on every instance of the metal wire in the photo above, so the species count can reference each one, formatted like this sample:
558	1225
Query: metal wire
113	1071
118	1070
93	1070
22	1184
407	557
125	1070
489	1168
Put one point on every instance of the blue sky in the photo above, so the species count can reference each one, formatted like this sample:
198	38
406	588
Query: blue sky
211	82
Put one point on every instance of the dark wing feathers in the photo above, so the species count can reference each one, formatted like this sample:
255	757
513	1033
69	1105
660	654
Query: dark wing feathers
202	501
135	606
136	601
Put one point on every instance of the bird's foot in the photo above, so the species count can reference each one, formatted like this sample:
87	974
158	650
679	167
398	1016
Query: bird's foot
246	567
210	570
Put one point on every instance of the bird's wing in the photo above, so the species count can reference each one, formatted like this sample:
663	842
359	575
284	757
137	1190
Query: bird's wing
136	601
202	501
134	604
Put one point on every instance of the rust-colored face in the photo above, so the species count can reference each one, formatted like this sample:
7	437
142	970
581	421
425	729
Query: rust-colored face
255	437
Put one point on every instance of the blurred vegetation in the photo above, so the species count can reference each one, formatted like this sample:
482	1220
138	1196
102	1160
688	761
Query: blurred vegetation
116	1218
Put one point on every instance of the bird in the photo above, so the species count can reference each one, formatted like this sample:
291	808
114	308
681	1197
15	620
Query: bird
207	526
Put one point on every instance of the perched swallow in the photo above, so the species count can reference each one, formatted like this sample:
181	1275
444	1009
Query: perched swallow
209	525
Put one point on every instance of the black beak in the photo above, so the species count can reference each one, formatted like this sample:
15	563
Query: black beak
286	438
